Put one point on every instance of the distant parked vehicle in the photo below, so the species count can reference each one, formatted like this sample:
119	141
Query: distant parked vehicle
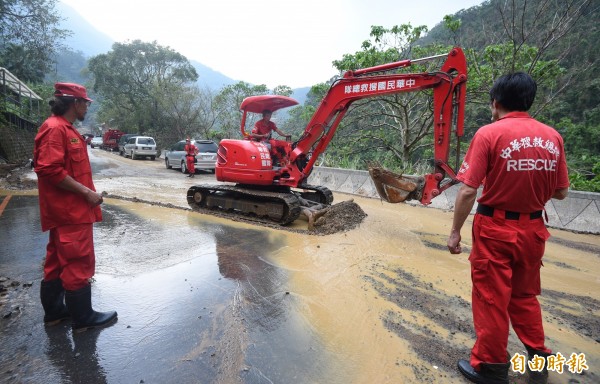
206	157
140	146
123	140
88	138
110	139
96	142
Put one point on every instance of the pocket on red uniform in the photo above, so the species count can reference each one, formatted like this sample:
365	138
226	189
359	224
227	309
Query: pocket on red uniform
543	234
481	280
74	242
494	242
78	162
499	233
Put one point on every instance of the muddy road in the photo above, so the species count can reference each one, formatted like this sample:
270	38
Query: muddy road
205	299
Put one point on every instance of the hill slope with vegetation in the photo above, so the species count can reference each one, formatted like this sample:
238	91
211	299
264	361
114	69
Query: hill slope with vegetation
563	32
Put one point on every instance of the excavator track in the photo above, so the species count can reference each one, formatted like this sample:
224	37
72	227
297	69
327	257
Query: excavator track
317	194
279	207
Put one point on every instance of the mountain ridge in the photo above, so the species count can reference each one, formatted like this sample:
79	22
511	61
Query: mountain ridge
89	41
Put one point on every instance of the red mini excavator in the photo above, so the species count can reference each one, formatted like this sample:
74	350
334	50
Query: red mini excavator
271	183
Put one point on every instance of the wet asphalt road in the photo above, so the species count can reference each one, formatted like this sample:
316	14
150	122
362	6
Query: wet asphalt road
190	292
205	300
187	293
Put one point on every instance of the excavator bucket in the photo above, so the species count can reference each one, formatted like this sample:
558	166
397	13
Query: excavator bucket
395	188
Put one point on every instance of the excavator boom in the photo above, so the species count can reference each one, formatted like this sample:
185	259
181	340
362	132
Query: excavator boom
449	91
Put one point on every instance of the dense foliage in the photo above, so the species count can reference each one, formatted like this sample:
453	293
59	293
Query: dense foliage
144	87
29	37
561	38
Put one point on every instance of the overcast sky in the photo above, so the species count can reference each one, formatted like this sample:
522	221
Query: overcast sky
271	42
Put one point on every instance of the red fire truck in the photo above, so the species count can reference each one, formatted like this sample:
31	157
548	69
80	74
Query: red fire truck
110	139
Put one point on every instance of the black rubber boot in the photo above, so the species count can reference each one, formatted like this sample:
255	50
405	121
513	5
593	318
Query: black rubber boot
537	377
489	373
79	303
52	295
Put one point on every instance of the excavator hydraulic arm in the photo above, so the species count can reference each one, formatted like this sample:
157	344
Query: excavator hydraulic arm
449	91
449	108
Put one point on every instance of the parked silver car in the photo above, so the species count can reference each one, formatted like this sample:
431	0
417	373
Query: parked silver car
206	157
123	140
140	146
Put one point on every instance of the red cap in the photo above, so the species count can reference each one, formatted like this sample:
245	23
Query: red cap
71	90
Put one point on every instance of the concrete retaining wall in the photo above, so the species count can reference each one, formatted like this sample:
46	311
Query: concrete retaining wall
16	144
579	212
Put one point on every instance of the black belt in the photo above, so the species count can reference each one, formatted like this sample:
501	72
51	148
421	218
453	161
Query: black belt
486	210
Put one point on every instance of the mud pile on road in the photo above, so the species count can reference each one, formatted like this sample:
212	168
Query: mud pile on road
14	177
340	217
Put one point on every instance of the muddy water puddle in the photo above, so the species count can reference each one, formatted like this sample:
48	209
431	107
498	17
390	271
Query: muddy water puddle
197	298
391	297
220	302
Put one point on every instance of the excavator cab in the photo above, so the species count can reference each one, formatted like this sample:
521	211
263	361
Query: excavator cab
258	104
278	149
250	161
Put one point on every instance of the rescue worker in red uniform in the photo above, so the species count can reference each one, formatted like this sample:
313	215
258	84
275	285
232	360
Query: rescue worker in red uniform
262	131
69	205
190	157
263	127
521	164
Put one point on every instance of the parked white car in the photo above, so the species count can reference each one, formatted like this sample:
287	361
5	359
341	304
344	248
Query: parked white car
96	142
140	146
206	157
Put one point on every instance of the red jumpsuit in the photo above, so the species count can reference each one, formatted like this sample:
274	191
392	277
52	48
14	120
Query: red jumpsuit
521	163
263	127
190	155
60	150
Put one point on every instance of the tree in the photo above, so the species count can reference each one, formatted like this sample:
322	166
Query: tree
537	37
555	42
137	80
208	115
227	104
29	37
388	129
283	90
181	109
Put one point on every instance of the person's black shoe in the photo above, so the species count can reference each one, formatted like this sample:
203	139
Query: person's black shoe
489	373
537	377
52	295
79	303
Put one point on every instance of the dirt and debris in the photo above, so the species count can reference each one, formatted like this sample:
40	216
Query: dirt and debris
14	177
341	217
446	312
11	296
